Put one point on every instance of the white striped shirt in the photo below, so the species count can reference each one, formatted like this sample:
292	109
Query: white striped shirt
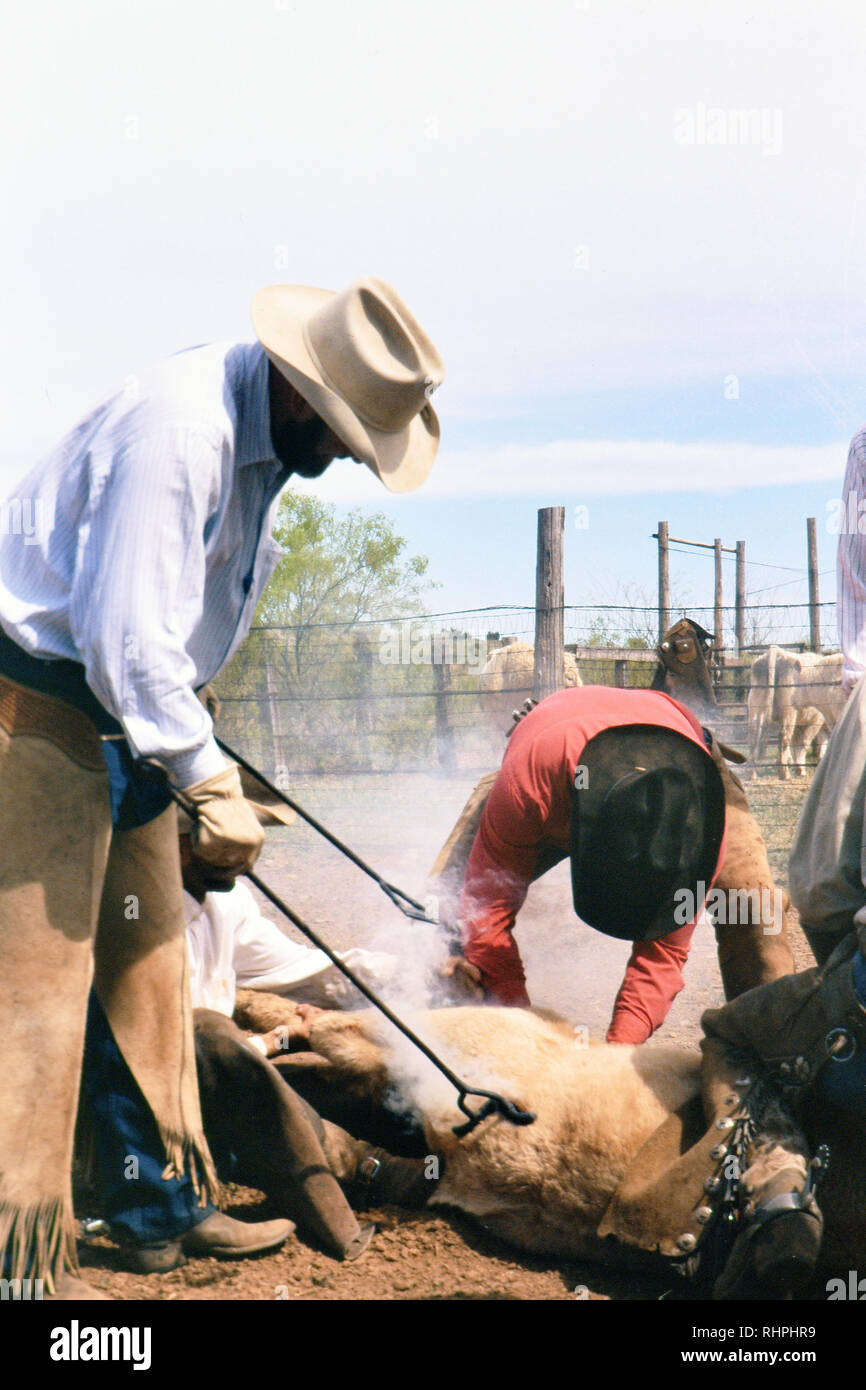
152	546
851	566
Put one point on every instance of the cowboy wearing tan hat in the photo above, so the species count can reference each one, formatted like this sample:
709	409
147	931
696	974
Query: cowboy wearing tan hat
365	366
152	549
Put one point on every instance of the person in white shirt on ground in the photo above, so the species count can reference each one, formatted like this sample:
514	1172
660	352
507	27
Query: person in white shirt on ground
233	945
259	1129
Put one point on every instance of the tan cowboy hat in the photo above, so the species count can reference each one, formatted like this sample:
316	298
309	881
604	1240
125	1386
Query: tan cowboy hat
364	363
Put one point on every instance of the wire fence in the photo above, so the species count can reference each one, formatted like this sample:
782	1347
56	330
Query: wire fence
416	693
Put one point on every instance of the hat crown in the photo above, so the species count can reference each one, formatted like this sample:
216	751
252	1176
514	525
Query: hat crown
373	352
647	821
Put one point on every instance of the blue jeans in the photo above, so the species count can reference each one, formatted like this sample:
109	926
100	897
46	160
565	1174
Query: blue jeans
844	1083
140	1205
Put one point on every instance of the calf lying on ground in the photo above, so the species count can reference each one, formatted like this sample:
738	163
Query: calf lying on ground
542	1187
545	1188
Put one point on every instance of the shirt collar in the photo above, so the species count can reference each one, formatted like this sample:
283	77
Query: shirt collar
250	369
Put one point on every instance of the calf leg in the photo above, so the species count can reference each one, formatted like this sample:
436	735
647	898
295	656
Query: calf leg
807	729
786	734
274	1138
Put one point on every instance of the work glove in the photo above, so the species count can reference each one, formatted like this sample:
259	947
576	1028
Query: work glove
226	832
464	979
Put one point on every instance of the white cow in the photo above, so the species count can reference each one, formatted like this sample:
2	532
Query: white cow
802	693
507	679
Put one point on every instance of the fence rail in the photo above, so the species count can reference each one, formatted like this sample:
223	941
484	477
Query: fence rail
373	697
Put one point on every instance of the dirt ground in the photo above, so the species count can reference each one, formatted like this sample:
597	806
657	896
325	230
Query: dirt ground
398	824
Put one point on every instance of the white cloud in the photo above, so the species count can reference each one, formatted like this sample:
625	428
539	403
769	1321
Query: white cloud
603	467
164	161
578	468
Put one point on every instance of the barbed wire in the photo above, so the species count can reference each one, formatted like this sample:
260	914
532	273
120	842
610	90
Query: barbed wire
505	609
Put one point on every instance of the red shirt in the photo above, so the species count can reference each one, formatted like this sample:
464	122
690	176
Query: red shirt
529	807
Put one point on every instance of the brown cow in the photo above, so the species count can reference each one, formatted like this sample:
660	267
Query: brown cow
545	1187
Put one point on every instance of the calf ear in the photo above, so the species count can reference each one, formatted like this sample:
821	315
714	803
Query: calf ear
732	754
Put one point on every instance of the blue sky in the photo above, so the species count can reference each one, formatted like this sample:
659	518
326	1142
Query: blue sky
633	230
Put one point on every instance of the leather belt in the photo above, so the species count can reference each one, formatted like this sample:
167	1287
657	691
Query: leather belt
25	711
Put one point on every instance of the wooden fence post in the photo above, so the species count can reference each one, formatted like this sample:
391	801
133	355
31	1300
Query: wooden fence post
549	603
362	651
718	599
740	600
664	580
442	682
278	746
814	610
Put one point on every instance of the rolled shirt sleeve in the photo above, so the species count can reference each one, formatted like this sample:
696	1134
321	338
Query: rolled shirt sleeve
498	874
652	981
264	957
138	590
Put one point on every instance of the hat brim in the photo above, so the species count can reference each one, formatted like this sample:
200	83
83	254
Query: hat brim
400	460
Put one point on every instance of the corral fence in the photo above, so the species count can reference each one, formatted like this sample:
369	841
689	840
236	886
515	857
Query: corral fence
403	693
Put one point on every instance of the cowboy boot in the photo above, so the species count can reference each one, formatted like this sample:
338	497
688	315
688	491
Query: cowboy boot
275	1137
371	1176
686	1194
797	1024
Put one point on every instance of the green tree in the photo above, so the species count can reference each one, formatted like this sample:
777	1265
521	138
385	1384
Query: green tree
301	690
335	574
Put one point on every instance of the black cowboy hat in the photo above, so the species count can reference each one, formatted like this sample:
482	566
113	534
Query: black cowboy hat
648	817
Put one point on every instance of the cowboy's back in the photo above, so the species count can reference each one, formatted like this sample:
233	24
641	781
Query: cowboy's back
153	545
